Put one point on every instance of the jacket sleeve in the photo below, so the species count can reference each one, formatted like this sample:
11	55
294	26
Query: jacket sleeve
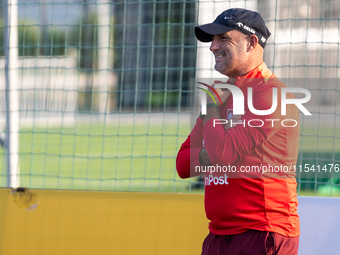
226	146
188	155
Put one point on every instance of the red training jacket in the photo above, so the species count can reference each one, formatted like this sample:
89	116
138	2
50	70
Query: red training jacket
238	201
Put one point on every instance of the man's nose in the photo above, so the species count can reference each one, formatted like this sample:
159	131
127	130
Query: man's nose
214	45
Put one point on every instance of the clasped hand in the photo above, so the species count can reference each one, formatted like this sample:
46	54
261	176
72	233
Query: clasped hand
223	93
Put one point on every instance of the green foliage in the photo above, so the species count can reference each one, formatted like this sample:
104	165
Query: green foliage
31	42
84	38
28	39
162	98
36	40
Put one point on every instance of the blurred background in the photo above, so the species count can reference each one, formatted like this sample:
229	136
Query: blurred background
103	88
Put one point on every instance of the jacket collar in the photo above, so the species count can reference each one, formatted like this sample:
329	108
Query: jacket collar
261	71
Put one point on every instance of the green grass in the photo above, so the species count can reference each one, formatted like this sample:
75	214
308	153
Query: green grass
102	157
138	157
319	147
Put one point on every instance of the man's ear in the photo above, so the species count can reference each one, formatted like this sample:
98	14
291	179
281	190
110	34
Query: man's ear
252	42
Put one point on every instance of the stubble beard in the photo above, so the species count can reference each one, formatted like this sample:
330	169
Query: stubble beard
230	64
223	67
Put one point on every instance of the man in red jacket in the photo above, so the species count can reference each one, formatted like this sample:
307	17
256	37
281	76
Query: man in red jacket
249	168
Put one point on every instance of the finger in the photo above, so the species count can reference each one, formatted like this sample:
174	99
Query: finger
225	96
220	92
220	82
236	117
226	126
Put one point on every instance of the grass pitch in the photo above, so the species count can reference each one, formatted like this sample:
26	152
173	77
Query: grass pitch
139	157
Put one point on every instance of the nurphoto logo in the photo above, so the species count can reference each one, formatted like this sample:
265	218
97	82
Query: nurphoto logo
239	102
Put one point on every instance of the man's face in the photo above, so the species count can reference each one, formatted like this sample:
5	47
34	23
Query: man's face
230	51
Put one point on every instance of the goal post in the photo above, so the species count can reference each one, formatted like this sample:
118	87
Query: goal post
12	95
